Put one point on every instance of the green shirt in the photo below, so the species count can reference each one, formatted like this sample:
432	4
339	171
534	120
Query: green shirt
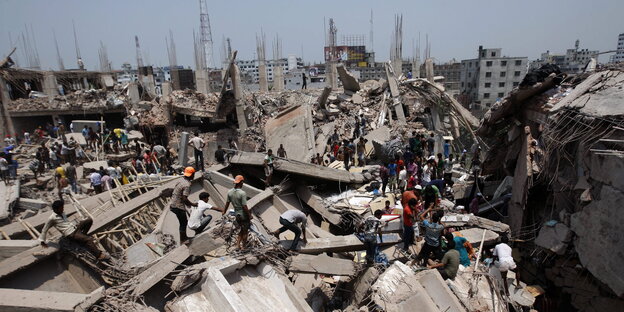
451	263
238	198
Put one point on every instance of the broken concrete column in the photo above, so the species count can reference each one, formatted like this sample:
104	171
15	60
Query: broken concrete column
166	88
278	78
238	96
322	101
50	85
262	76
201	81
349	83
133	93
183	149
6	123
331	75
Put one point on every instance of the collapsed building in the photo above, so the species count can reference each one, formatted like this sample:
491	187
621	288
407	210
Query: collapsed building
552	152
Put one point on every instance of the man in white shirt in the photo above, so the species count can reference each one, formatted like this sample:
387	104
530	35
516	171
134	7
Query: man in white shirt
289	221
198	147
198	221
268	167
75	232
504	261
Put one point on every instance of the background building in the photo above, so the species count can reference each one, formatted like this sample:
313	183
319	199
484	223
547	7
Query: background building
490	77
572	62
619	54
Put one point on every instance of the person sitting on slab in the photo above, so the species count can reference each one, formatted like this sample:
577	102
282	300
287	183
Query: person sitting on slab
198	221
75	232
289	221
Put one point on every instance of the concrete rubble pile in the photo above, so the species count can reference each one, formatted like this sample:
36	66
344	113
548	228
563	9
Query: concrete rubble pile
80	99
563	152
563	142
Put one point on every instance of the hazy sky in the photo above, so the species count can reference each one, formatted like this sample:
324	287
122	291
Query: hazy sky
455	27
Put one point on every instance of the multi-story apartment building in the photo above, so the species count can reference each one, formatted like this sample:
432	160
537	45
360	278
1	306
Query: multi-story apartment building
490	77
251	67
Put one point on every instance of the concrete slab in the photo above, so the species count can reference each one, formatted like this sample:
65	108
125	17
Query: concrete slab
20	300
342	244
316	203
10	248
294	129
439	292
321	264
148	278
349	82
474	236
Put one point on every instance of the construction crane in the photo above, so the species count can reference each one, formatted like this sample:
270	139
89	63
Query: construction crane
205	34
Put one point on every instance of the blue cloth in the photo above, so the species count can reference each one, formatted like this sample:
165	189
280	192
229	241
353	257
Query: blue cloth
447	150
432	233
463	253
392	169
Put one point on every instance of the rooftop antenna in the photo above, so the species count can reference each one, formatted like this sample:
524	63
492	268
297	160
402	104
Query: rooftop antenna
78	58
59	60
206	34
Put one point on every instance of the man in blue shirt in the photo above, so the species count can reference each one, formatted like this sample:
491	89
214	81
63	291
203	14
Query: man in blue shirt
433	231
392	175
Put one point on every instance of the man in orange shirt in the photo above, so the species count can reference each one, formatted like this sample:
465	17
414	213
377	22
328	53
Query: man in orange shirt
408	224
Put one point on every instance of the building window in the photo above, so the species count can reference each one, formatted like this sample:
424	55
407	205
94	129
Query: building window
518	62
501	84
493	54
515	84
517	74
503	63
486	95
503	74
462	84
501	94
488	74
469	75
487	84
488	63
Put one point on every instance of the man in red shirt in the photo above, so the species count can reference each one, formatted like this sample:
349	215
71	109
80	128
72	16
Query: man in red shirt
408	224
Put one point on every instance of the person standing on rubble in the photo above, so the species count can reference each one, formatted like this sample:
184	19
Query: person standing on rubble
281	151
408	223
384	174
71	231
433	230
219	155
268	167
346	153
198	147
179	201
356	128
70	173
289	221
4	169
96	181
305	81
238	198
392	176
368	230
361	151
431	143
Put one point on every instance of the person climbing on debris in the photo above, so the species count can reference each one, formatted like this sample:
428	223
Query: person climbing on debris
460	246
474	204
238	198
281	151
219	155
384	174
368	230
198	147
361	151
75	232
450	261
198	221
179	201
433	230
431	196
268	167
289	221
504	261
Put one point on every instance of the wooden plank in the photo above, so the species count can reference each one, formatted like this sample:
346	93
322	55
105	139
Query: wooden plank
322	264
129	207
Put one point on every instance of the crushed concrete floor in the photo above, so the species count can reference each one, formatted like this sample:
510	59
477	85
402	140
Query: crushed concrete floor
151	269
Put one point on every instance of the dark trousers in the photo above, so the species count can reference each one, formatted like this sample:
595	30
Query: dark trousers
183	219
408	236
346	161
80	236
202	224
287	225
370	245
384	184
443	273
427	250
199	160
